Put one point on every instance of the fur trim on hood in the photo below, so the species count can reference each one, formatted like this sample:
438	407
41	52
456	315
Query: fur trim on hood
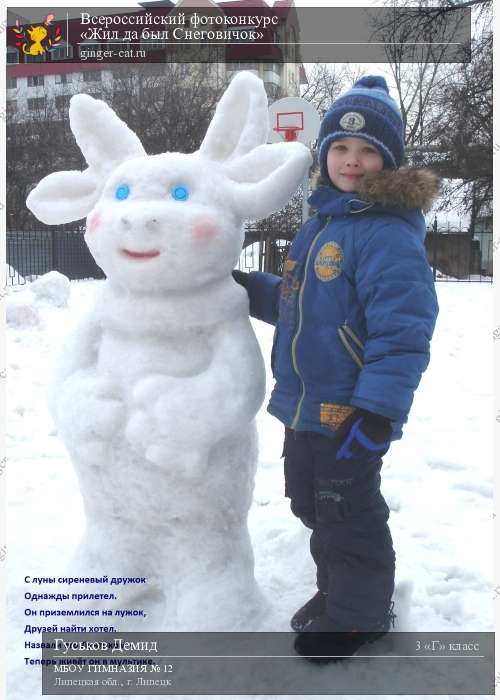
405	188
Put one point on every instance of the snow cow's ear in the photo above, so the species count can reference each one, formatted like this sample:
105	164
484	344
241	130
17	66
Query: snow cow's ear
240	122
265	179
105	141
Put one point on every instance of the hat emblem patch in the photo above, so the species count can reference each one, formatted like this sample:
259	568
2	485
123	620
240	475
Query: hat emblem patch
328	262
352	121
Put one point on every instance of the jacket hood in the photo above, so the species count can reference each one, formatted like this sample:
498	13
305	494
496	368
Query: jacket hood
404	188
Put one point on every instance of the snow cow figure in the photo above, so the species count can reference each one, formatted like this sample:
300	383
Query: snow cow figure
157	390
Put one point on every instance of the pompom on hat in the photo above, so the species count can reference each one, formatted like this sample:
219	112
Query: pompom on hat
365	111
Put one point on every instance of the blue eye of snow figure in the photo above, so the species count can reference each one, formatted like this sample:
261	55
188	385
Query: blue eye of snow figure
180	193
122	192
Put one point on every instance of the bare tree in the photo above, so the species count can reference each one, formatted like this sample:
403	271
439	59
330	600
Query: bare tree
463	125
38	142
327	81
168	105
447	108
417	45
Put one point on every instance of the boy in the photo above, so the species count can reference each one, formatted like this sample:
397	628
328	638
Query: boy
354	314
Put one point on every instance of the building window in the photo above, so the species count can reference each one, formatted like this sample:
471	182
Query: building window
11	83
35	59
36	103
63	78
62	102
93	76
35	80
118	46
234	66
11	107
12	55
63	51
152	45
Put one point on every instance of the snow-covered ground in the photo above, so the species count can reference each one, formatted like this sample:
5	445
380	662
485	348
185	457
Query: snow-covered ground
438	481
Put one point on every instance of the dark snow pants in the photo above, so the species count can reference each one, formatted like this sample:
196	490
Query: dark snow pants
351	542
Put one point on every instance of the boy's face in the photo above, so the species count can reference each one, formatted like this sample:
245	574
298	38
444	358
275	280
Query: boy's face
349	159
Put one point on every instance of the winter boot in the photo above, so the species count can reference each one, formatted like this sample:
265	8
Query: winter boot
322	641
313	609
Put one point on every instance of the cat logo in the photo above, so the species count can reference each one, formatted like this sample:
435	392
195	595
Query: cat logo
352	121
328	262
39	38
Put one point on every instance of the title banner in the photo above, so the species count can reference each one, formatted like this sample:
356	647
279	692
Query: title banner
235	33
207	663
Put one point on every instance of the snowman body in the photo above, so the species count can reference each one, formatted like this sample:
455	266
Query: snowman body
156	391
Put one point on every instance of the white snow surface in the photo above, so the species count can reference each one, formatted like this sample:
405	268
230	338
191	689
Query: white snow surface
437	481
21	310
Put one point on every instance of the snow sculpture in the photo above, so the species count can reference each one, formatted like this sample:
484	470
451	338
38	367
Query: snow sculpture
157	389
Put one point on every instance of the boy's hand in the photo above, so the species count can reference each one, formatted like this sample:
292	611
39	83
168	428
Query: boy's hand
367	436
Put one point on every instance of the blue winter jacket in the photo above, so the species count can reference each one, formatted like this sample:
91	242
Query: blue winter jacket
356	307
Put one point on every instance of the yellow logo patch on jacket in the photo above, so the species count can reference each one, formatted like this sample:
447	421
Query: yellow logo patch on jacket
328	262
333	415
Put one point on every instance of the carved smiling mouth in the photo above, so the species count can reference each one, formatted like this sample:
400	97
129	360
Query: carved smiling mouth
140	254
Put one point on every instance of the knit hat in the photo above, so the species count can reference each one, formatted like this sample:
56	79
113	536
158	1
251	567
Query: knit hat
366	111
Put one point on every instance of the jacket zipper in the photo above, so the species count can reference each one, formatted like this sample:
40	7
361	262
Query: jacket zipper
342	332
299	328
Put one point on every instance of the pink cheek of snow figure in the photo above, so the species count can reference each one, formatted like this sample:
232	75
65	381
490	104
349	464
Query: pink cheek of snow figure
204	231
156	391
93	222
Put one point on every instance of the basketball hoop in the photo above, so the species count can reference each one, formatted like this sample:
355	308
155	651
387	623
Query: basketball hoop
294	119
289	124
289	132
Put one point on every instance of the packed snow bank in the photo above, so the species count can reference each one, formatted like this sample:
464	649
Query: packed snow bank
21	312
23	305
53	287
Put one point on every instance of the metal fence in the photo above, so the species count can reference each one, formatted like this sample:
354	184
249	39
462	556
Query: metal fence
37	250
457	257
33	252
453	257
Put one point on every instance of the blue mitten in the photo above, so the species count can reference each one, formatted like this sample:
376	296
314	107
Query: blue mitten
368	437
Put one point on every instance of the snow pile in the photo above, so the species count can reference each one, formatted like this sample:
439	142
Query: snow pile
21	311
53	287
24	304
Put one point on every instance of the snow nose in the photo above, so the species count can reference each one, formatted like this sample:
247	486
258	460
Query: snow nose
150	224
